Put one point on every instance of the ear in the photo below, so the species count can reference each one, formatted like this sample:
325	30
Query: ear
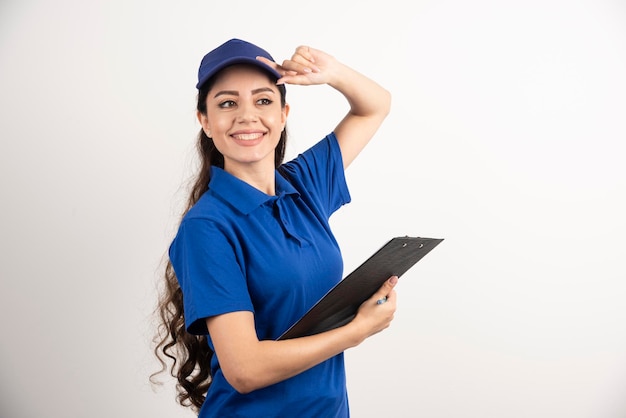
285	114
204	122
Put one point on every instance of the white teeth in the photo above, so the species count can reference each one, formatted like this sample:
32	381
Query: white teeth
247	137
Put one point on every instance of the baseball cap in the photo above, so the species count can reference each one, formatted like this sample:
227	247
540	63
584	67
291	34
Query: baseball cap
234	51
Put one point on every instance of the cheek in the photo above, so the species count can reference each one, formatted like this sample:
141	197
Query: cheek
218	124
277	120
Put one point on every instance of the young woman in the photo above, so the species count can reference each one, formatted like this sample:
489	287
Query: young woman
254	250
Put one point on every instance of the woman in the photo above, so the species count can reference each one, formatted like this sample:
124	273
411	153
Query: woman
254	250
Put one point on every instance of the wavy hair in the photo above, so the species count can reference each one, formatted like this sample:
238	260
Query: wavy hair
189	356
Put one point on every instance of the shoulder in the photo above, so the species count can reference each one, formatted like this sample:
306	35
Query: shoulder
211	207
321	153
206	219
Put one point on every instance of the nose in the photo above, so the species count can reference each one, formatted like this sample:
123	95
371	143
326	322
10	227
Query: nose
247	113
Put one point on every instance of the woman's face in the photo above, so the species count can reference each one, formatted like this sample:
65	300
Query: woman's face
244	117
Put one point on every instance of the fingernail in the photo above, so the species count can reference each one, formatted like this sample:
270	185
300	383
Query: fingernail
393	279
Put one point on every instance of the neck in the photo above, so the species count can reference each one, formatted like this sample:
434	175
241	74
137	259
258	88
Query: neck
261	178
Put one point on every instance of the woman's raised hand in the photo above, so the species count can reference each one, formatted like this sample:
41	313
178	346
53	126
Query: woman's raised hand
307	66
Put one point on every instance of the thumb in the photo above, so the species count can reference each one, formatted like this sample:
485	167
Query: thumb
391	283
385	289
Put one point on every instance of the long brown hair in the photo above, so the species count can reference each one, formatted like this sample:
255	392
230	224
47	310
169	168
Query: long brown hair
189	355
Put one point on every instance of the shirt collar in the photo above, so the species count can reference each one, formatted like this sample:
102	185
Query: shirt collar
243	196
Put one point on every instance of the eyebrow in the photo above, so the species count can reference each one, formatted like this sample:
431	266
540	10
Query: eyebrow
236	93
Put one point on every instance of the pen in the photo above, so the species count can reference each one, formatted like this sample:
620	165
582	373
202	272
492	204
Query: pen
381	301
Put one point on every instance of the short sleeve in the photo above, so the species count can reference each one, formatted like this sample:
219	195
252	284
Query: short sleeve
209	274
319	172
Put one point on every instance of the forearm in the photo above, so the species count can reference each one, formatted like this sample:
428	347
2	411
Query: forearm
249	364
262	363
365	97
256	364
369	105
280	360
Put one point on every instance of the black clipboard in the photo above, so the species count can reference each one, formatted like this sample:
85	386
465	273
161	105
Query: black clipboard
340	304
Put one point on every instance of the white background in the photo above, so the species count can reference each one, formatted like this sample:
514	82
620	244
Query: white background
506	138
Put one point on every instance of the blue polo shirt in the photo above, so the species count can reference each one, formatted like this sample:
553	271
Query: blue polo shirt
239	249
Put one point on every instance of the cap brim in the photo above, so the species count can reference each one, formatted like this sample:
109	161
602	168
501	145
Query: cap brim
237	60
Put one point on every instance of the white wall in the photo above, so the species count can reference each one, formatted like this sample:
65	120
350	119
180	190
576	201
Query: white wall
506	138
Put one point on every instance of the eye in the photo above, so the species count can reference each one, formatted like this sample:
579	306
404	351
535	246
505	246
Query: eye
227	104
265	102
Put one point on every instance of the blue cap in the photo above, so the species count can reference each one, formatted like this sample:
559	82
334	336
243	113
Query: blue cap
232	52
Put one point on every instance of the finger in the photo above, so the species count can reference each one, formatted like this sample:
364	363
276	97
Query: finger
390	284
300	65
268	62
305	52
386	290
279	69
305	58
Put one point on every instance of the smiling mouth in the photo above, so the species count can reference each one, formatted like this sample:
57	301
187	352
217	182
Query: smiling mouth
248	137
